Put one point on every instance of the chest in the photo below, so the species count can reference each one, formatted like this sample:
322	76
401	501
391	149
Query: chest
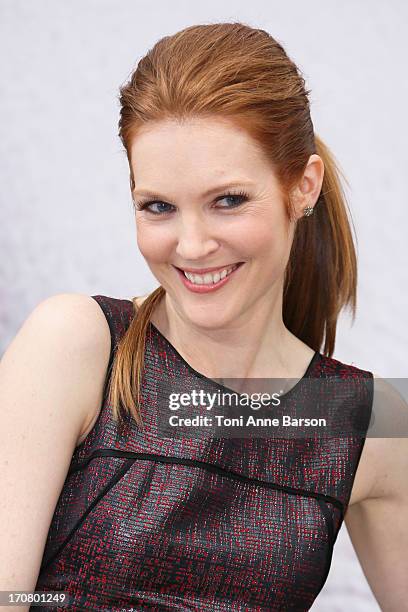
176	531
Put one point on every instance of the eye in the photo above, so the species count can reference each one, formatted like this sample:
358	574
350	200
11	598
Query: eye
239	198
146	205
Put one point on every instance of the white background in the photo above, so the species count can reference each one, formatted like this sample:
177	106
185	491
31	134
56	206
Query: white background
66	222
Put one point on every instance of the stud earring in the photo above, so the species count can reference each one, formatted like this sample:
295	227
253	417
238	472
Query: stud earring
308	211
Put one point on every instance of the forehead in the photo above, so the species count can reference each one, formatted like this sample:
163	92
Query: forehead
195	149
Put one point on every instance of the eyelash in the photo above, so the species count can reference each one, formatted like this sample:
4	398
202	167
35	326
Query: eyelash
241	195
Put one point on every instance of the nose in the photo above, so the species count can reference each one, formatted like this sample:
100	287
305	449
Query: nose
195	241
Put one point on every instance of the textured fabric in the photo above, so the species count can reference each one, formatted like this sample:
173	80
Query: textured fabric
151	523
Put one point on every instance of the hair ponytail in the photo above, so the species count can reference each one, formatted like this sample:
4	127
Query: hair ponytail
322	270
128	363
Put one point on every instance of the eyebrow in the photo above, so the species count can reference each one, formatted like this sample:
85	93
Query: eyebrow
154	195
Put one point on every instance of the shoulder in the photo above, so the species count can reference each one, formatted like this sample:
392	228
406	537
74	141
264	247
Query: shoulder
384	460
75	318
76	305
93	320
387	441
335	367
73	330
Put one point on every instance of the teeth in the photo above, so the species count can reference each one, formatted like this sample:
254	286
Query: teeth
209	278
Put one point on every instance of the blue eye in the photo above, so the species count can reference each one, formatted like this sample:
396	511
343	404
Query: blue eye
145	205
238	198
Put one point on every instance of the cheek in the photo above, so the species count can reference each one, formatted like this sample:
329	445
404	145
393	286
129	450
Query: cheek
269	245
153	242
267	238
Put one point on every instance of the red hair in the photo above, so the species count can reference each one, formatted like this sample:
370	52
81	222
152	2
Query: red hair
234	71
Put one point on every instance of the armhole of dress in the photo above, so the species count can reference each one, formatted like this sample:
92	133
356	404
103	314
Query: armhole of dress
107	305
369	382
100	300
332	530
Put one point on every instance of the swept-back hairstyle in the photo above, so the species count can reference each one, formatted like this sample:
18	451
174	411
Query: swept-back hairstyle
240	73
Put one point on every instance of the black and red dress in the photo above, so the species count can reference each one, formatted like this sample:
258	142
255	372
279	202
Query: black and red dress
151	523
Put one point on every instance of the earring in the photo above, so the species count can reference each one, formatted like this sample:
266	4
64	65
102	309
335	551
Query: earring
308	211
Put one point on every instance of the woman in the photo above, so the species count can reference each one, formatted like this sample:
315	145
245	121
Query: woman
241	217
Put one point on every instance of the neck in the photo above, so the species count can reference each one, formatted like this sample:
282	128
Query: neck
257	345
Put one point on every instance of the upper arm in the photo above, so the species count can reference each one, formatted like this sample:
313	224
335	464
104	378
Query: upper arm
51	379
378	525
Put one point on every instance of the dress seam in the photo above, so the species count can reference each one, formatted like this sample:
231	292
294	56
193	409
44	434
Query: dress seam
112	481
107	452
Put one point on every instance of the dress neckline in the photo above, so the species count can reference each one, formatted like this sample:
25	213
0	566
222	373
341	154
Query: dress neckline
309	370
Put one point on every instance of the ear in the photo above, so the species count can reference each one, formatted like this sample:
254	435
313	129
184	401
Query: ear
308	189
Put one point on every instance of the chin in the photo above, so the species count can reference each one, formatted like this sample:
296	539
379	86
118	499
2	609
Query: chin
207	316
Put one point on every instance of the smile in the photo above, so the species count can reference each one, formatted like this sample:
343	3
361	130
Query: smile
203	283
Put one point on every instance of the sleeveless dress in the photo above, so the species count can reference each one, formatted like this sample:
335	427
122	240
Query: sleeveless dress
145	522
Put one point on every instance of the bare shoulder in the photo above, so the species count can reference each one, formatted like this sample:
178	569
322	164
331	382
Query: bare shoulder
84	343
383	467
94	342
73	309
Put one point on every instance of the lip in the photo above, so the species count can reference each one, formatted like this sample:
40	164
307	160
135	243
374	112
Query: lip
207	288
205	270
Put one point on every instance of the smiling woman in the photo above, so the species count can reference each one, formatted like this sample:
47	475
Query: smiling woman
241	218
244	233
